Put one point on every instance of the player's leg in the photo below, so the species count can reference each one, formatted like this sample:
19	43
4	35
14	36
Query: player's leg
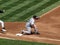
27	31
36	30
3	26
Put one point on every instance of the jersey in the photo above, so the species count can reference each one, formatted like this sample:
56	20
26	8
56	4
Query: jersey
30	22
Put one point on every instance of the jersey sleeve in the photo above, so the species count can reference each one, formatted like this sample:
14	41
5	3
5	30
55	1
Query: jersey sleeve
32	22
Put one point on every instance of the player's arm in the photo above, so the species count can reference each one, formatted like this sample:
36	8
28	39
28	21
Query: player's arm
32	26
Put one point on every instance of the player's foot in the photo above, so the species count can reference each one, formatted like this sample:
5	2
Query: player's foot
22	31
3	30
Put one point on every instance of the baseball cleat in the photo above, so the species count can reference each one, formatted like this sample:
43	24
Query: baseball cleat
37	33
3	30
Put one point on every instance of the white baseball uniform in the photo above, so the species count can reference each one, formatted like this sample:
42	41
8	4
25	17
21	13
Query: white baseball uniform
3	26
28	27
2	23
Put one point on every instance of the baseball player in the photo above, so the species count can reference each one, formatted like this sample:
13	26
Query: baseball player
3	26
2	23
31	24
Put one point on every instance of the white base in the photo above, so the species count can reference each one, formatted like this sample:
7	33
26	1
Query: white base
18	34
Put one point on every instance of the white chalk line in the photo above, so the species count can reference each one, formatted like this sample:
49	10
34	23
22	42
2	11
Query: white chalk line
49	11
44	38
6	38
33	37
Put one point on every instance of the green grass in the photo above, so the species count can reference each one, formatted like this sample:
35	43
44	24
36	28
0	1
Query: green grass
19	42
14	18
22	18
22	10
3	1
45	10
13	4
